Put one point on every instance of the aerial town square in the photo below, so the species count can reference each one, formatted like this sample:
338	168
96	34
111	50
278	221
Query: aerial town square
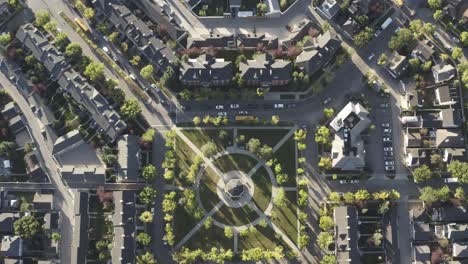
233	131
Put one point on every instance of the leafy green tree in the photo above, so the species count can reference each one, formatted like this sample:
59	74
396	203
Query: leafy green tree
261	9
428	195
362	195
168	175
275	120
228	232
149	135
143	238
464	38
94	71
55	237
457	53
437	15
253	145
89	13
7	148
147	72
114	37
146	217
51	26
348	197
324	240
322	135
382	59
416	27
135	61
61	39
5	39
328	259
303	240
443	194
325	163
265	152
74	51
147	195
434	4
300	135
363	37
326	223
209	149
460	194
328	112
42	17
402	39
124	47
146	258
27	227
421	174
334	197
130	109
197	120
280	199
149	172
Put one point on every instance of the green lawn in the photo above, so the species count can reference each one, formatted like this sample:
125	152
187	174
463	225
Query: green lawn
200	137
235	216
235	162
206	239
262	193
183	223
208	185
287	157
264	238
286	216
267	136
184	156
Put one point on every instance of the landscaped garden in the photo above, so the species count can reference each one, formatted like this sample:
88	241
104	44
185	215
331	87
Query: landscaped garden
228	198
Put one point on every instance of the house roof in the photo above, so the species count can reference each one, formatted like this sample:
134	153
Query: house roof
422	232
11	246
128	158
9	110
397	64
443	72
79	247
457	232
206	68
354	117
424	50
124	221
449	138
6	222
43	201
346	234
422	254
264	68
460	250
444	95
71	150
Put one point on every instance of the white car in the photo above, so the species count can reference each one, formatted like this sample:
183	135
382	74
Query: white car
279	106
106	50
388	153
387	139
234	106
243	112
219	107
377	33
451	180
371	57
387	130
388	149
385	125
327	101
389	168
222	114
389	163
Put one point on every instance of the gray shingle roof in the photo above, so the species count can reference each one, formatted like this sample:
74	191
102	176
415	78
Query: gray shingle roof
265	68
124	221
128	158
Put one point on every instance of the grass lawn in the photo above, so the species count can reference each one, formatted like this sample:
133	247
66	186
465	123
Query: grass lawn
184	156
206	239
262	193
235	162
235	216
213	7
200	137
287	157
286	216
208	185
267	136
264	238
183	223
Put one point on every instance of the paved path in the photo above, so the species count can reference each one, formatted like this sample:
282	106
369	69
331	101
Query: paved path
284	139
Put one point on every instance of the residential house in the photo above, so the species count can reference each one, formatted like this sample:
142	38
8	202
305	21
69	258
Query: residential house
451	154
252	40
423	51
79	247
263	70
124	220
206	70
421	254
456	10
317	53
422	232
413	96
346	234
460	250
397	65
443	72
449	138
11	246
348	153
74	84
129	159
6	222
330	8
135	30
445	96
9	110
457	232
214	39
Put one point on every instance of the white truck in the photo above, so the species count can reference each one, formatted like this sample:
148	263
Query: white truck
385	24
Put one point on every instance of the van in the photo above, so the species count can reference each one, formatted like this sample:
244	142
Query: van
279	106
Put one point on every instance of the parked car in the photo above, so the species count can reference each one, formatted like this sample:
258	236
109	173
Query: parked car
389	168
388	153
385	125
344	181
388	149
387	130
354	181
242	112
219	107
388	158
222	113
389	163
234	106
155	88
387	139
327	101
291	105
377	33
451	180
106	50
371	57
279	106
384	105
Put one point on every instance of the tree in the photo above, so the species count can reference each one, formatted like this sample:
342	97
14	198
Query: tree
253	145
143	238
443	194
464	38
146	258
55	237
94	71
334	197
303	240
280	198
89	13
326	223
457	53
328	112
135	61
261	9
51	26
325	163
421	174
428	195
147	72
26	227
275	120
124	47
322	135
114	37
416	27
149	135
265	152
197	120
382	59
7	147
348	198
61	39
149	172
130	109
460	194
147	195
328	259
434	4
402	39
415	63
363	37
324	240
362	195
209	149
42	17
74	51
228	232
146	217
168	175
437	15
